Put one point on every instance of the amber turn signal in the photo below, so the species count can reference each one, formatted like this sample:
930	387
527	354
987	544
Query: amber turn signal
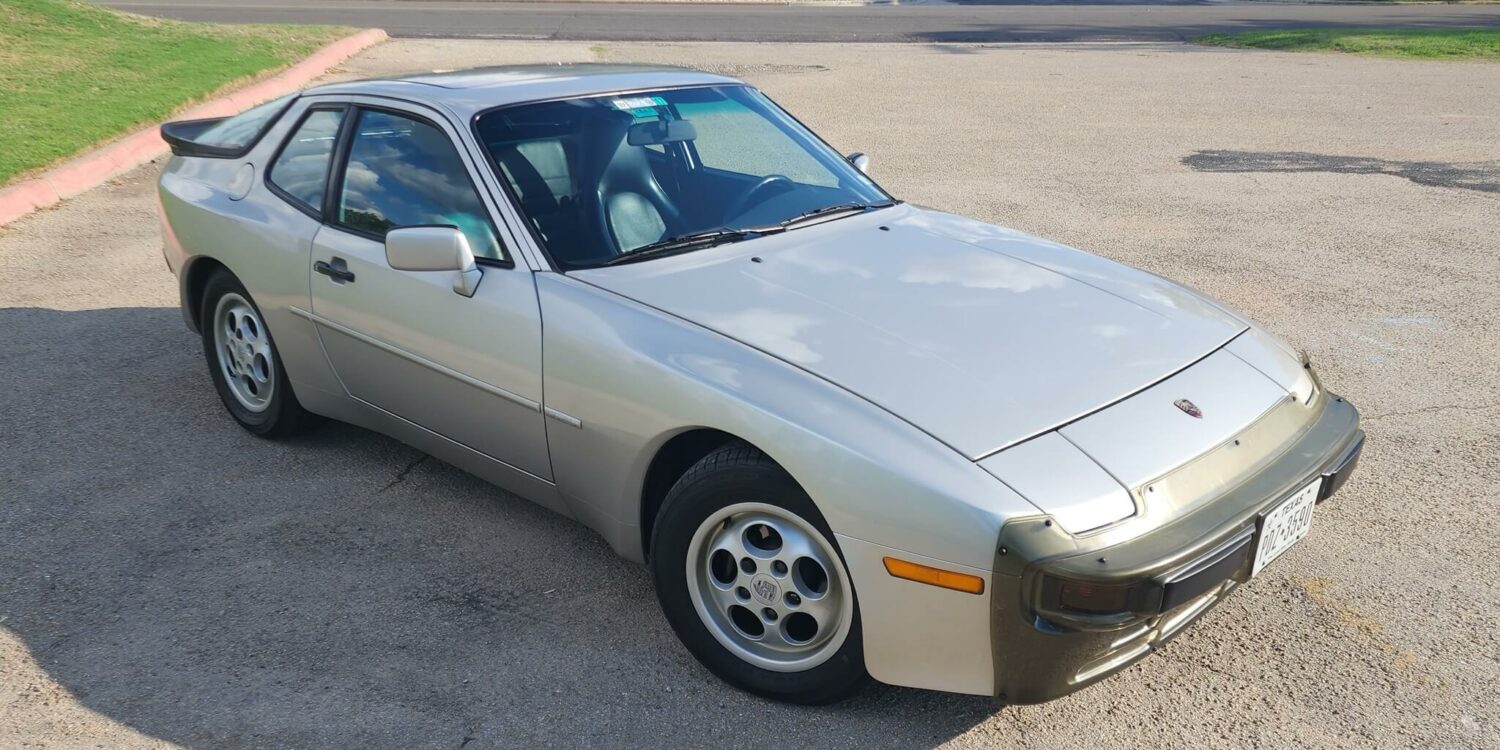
934	576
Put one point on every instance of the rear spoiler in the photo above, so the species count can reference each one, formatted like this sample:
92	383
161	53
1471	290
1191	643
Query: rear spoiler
182	137
186	137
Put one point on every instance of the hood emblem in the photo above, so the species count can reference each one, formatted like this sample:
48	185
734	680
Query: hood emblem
1189	408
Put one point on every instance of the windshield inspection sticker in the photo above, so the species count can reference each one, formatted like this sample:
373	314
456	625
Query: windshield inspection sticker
640	106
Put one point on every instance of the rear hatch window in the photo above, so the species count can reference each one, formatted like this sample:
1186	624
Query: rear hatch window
224	137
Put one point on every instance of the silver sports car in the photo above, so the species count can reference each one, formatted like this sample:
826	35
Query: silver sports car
850	436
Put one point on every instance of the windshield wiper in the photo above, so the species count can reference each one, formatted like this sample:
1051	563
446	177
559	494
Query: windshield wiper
683	243
709	237
850	207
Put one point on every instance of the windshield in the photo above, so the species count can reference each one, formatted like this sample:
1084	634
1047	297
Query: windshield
604	176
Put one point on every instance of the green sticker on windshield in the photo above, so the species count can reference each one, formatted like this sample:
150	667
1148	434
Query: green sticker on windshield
640	106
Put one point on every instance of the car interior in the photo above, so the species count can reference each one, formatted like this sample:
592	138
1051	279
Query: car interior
588	190
596	182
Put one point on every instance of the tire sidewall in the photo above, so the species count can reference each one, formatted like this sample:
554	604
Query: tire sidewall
687	506
259	423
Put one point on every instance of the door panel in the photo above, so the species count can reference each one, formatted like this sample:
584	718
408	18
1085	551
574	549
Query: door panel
468	368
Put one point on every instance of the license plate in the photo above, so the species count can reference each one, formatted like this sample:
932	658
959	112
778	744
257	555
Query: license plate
1285	525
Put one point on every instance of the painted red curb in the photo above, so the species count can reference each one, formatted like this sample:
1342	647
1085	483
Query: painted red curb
93	168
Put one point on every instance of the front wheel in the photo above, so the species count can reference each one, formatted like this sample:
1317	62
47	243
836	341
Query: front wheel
750	579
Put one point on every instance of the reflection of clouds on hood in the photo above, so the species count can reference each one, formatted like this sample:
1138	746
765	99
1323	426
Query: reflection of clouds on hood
1159	296
959	228
774	331
982	271
829	264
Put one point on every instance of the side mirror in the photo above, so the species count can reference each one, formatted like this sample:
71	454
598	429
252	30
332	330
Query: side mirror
860	160
434	249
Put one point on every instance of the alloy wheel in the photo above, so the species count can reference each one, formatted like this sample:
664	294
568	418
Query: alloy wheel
244	351
769	587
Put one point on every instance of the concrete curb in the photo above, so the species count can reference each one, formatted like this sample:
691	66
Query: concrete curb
83	172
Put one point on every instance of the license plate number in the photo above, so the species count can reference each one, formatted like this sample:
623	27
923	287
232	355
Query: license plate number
1285	525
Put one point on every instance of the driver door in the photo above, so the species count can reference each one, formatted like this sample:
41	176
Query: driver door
467	368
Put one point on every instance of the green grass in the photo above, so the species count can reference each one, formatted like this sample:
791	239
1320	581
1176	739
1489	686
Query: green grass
1421	44
73	74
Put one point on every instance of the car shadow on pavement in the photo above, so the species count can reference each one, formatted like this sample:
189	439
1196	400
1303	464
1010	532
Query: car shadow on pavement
205	587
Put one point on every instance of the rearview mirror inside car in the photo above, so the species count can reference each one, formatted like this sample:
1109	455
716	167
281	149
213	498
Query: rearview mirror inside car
434	248
657	132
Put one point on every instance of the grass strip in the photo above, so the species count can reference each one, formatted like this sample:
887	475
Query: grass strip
73	75
1416	44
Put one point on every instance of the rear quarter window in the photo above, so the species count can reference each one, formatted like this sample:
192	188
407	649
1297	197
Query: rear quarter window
300	171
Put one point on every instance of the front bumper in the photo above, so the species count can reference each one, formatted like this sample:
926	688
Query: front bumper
1187	566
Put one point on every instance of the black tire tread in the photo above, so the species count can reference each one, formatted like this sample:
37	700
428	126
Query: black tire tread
733	454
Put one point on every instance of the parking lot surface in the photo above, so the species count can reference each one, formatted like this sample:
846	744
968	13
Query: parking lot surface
167	579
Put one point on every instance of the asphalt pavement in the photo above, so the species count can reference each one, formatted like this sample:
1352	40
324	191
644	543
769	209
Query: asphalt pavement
167	580
1023	22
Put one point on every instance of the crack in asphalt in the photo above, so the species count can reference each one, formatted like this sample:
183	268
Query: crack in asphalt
1483	176
401	475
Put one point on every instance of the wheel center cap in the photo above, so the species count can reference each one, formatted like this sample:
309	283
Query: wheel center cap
765	589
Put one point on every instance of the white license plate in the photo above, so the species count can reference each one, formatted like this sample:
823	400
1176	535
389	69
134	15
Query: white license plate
1285	525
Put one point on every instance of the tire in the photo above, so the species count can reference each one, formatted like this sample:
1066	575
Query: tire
736	505
244	363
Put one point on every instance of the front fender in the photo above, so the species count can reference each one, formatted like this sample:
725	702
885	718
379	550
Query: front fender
632	377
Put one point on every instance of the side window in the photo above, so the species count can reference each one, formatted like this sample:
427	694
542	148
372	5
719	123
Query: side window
403	172
301	169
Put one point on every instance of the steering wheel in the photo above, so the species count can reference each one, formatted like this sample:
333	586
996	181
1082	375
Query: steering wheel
745	200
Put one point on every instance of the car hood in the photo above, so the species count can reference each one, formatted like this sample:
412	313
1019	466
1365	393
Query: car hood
978	335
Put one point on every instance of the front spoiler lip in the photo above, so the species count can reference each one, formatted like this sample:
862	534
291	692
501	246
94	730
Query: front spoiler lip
1038	659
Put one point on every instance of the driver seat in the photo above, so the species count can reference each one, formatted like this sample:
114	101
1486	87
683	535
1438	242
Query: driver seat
631	207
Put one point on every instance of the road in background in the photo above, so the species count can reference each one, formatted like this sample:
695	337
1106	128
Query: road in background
812	23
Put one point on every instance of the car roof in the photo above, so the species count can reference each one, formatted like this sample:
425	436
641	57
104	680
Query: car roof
467	92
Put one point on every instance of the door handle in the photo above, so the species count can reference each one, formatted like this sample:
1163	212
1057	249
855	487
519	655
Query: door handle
338	270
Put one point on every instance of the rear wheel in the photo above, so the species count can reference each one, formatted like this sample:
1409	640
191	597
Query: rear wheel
244	363
749	577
